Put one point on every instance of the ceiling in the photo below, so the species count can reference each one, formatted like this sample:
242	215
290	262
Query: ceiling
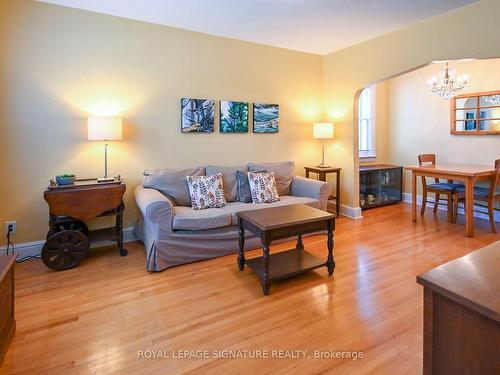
316	26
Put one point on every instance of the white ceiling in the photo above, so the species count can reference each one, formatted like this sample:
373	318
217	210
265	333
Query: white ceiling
317	26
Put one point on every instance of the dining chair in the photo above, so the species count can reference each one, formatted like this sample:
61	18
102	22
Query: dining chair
438	188
489	195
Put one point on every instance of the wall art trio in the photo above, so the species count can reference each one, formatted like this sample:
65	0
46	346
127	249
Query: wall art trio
198	115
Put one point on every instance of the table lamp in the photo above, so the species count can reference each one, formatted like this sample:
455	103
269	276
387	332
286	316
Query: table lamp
104	129
323	130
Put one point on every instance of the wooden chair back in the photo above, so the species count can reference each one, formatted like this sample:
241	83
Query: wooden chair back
427	159
495	179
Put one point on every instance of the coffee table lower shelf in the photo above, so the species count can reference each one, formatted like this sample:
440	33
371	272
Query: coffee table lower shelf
285	264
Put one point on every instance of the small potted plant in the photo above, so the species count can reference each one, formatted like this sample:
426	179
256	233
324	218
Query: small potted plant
65	179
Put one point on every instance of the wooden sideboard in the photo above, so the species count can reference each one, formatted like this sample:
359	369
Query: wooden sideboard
462	315
7	321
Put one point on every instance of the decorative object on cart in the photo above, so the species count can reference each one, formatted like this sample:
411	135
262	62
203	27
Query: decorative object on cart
323	131
65	179
380	185
197	115
233	117
322	173
265	118
68	239
101	128
475	114
446	85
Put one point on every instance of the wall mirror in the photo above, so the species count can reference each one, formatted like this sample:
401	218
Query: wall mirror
476	114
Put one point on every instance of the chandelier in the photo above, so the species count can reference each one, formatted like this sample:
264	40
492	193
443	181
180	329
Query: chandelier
447	85
493	99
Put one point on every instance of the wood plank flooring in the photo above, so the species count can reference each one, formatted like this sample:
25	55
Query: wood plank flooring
95	318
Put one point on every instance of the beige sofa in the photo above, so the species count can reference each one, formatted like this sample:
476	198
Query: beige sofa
173	233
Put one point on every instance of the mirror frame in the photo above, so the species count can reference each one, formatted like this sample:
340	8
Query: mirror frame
453	108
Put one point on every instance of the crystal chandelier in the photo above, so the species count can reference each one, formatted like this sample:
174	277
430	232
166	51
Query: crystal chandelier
447	85
493	99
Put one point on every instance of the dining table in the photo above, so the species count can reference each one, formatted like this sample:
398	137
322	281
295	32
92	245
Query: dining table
466	173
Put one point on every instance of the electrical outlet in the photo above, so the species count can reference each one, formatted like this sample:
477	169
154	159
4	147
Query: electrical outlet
10	226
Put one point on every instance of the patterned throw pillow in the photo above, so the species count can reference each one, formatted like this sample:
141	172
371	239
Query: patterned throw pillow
263	187
206	191
243	188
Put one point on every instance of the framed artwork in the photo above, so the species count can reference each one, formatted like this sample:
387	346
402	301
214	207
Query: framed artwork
265	118
233	117
197	115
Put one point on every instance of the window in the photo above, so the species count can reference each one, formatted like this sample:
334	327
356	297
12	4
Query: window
366	123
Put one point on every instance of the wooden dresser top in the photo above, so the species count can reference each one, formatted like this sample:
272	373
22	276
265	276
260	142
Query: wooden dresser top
472	280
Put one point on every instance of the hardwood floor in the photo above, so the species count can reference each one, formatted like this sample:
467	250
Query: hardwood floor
95	318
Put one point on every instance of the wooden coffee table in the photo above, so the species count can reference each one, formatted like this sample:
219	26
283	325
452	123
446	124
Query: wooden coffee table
277	223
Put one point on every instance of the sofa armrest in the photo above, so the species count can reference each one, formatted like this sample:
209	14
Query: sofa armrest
155	207
306	187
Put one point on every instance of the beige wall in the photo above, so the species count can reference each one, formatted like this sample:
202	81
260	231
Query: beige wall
420	122
467	32
59	65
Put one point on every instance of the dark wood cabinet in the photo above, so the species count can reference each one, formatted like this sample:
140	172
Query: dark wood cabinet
7	320
380	185
462	315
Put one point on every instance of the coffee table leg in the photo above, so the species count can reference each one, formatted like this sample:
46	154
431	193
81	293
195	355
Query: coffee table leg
265	282
330	263
241	243
300	245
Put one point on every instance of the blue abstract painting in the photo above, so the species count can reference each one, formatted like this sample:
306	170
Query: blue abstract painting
265	118
197	115
233	117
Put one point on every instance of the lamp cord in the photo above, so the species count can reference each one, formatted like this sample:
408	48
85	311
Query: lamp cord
11	247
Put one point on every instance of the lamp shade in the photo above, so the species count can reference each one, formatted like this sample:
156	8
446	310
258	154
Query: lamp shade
323	130
104	128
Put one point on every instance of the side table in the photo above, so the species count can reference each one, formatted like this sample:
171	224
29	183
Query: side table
322	172
69	238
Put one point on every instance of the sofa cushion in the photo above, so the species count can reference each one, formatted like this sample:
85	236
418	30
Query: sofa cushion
172	182
229	178
206	191
234	207
263	187
283	173
244	193
185	218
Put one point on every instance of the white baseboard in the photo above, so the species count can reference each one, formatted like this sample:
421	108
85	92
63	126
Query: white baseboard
35	247
351	212
480	212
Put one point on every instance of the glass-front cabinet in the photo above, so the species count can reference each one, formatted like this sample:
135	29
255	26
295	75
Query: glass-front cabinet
380	185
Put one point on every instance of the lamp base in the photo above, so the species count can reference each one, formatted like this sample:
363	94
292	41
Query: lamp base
105	179
322	166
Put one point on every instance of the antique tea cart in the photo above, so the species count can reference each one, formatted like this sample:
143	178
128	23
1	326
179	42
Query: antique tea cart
68	240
